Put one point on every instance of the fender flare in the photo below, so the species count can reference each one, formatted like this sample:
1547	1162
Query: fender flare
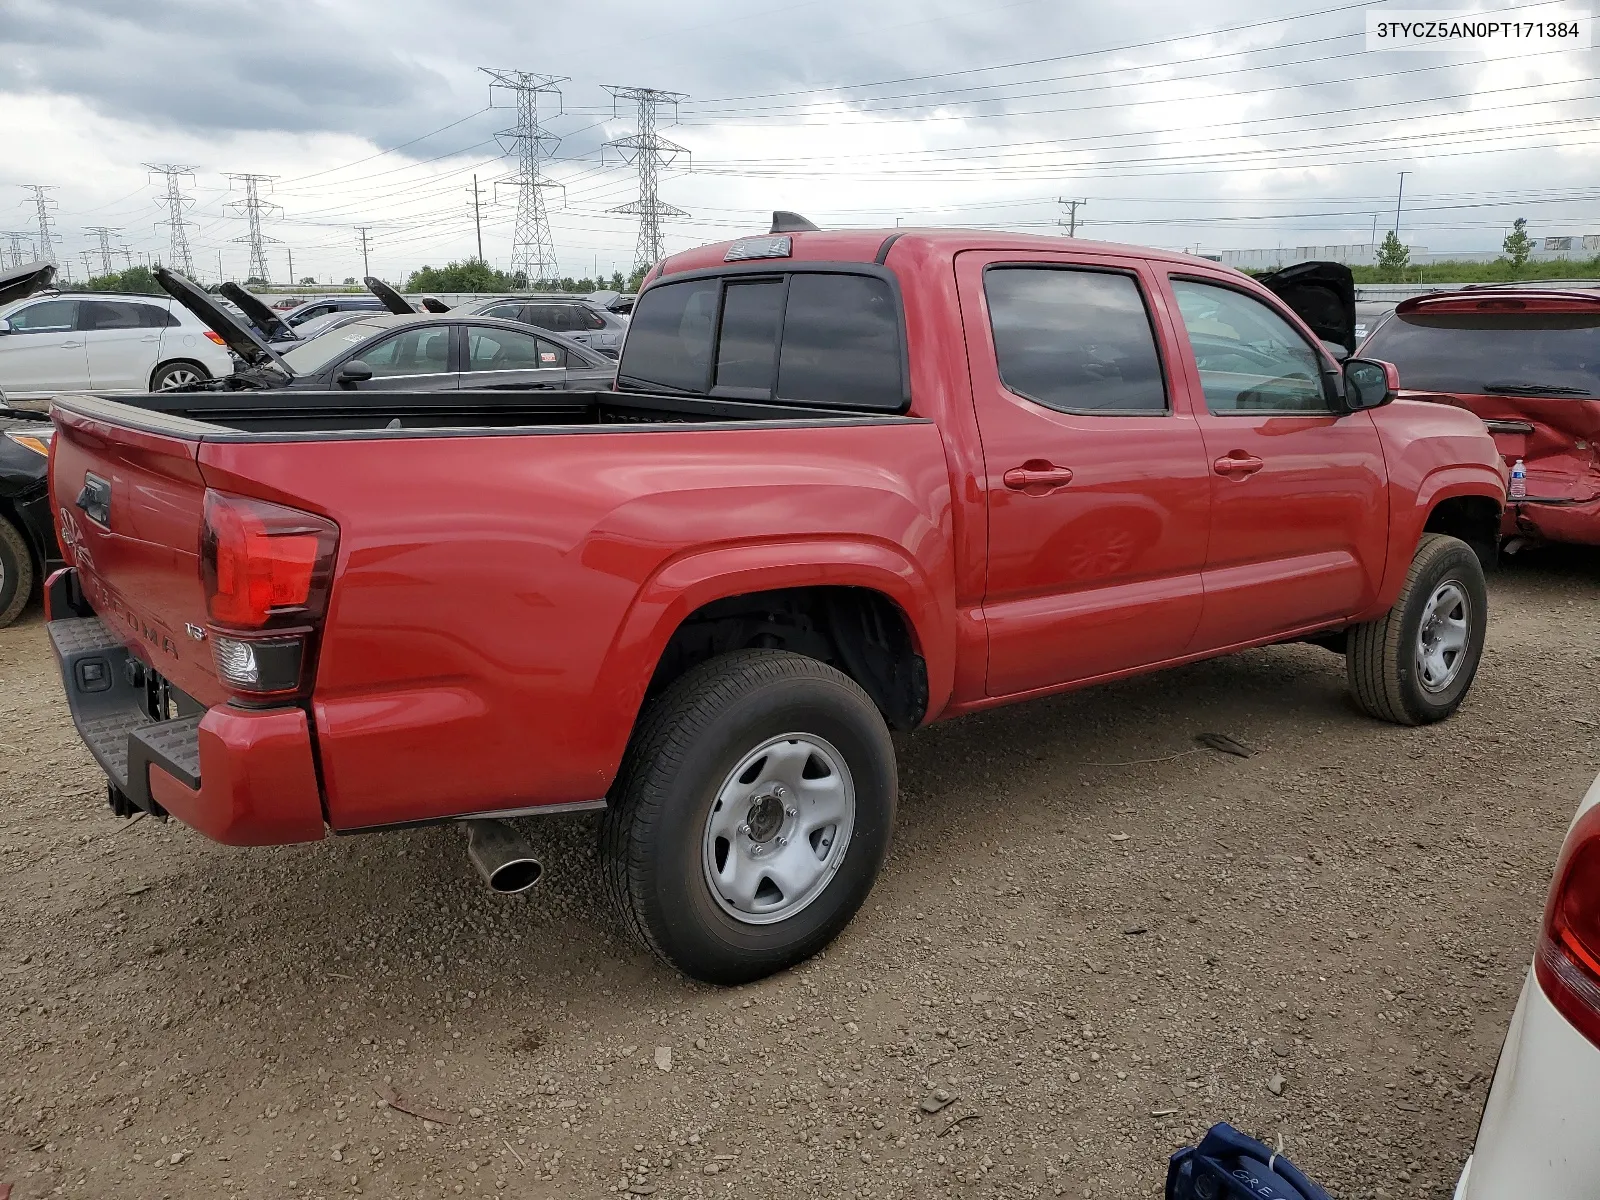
689	581
1407	521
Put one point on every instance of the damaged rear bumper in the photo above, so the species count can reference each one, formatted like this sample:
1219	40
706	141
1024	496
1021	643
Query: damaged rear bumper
242	777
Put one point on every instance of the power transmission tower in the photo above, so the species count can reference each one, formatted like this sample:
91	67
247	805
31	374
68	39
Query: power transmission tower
252	207
363	230
648	151
42	205
17	237
1071	223
533	250
127	254
104	234
477	215
178	256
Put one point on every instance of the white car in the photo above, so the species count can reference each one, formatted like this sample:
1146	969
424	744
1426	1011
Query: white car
104	341
1540	1134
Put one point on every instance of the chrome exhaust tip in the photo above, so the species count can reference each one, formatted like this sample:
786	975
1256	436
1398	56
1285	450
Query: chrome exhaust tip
502	856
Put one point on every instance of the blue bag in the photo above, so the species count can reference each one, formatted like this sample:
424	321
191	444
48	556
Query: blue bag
1227	1165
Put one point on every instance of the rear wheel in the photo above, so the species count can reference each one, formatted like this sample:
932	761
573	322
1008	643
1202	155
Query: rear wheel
751	816
16	572
177	374
1414	665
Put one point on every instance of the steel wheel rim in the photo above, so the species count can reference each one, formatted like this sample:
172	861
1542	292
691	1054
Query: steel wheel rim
778	829
1443	636
179	377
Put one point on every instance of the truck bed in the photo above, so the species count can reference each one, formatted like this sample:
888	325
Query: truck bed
251	415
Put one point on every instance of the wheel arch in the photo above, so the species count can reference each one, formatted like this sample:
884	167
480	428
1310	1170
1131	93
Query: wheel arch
1457	498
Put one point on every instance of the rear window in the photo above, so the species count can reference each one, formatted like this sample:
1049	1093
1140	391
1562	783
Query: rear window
813	338
1507	353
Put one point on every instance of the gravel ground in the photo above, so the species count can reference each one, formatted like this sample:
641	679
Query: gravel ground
1093	939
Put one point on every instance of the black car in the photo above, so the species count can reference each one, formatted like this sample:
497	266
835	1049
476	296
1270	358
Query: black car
398	351
28	547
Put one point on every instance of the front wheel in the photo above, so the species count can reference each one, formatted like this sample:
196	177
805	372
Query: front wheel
751	816
16	572
1414	665
176	375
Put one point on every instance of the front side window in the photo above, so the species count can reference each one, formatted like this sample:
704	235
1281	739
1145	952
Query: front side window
48	316
414	352
669	341
1073	340
1250	359
509	350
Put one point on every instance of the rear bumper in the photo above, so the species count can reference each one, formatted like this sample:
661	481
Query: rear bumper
241	777
1554	521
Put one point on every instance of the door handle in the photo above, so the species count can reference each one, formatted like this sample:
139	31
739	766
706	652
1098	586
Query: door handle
1237	463
70	345
1036	477
152	339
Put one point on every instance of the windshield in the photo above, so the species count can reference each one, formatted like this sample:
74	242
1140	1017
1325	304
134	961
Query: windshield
311	356
1486	353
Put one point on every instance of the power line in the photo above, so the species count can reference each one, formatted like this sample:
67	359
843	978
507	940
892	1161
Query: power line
42	204
252	207
648	152
533	250
178	256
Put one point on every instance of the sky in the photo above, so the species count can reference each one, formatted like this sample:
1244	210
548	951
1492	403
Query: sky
1230	125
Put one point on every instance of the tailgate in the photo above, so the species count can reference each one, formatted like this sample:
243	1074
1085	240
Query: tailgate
129	503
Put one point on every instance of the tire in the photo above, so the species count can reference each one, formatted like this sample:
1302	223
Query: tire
757	712
1392	674
17	572
177	374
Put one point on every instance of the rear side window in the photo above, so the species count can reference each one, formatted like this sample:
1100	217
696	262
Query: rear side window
1530	354
110	314
1075	341
814	338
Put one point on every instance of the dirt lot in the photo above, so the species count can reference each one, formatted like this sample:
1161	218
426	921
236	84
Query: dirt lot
1094	936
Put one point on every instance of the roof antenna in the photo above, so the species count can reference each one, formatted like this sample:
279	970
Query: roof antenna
790	222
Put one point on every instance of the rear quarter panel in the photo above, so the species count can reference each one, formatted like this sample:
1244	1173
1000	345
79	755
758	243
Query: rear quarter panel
500	602
1431	453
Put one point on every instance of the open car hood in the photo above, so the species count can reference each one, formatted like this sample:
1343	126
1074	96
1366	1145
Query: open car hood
392	300
268	324
25	280
243	341
1323	294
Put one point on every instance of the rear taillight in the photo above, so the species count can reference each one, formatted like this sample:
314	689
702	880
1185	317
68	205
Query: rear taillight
267	571
216	337
1568	962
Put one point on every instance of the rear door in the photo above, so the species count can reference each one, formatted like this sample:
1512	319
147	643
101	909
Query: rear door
1299	515
496	357
44	352
129	505
1094	469
122	339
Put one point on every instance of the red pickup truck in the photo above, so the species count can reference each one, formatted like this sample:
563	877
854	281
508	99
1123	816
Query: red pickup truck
847	483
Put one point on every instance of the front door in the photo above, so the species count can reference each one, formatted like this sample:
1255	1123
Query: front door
1095	472
122	338
1299	512
414	360
44	352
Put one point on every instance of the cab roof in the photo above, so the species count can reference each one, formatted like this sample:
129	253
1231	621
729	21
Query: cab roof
873	245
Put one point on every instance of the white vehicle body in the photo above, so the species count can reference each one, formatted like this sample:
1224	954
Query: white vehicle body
1540	1134
104	341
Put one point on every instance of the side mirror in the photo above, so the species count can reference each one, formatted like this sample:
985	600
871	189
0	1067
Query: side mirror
354	371
5	325
1369	383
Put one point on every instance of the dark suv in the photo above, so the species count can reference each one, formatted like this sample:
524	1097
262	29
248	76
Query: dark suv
583	322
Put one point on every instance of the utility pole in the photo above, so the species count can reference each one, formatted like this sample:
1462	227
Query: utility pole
363	230
1398	197
533	250
127	255
291	265
252	207
88	263
104	234
220	275
1072	207
648	152
42	205
477	217
178	254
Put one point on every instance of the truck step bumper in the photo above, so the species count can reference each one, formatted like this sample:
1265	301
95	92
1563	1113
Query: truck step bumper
241	777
